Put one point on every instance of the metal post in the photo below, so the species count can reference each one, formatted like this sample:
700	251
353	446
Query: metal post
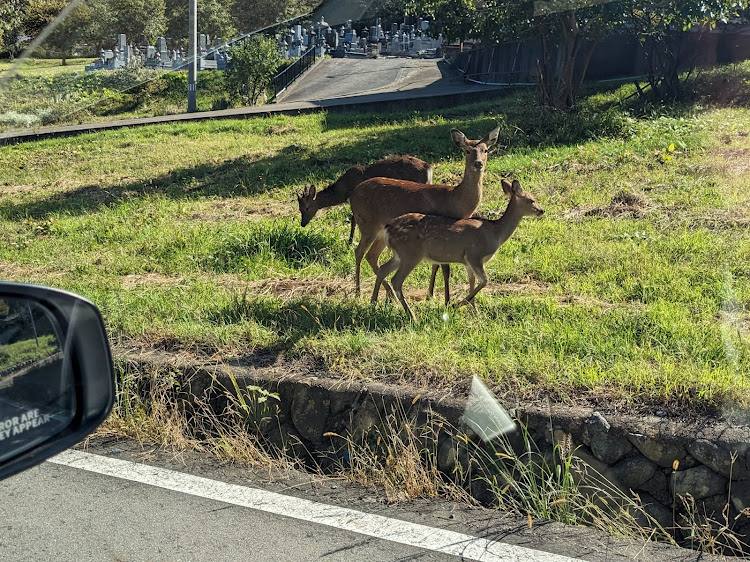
192	54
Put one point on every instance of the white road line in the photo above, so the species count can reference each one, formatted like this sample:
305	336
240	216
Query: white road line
412	534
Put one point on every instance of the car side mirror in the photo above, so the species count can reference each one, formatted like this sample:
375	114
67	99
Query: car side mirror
56	376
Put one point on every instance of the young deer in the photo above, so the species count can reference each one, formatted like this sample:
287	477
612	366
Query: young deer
403	168
378	200
414	237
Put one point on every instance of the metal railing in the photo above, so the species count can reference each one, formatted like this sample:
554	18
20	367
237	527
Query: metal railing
283	79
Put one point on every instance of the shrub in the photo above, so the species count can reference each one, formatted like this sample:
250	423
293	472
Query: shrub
253	65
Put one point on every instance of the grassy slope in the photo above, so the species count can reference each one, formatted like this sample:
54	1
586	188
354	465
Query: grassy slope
635	284
42	92
38	67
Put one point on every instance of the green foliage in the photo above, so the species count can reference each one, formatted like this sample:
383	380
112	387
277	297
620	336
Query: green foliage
214	16
12	25
254	63
654	25
455	19
66	35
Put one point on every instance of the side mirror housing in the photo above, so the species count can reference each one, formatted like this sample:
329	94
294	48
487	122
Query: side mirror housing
56	376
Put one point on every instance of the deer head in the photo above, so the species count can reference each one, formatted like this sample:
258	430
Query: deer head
307	206
476	150
524	200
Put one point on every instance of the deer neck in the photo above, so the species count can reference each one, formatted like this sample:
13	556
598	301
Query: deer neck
471	186
504	227
328	197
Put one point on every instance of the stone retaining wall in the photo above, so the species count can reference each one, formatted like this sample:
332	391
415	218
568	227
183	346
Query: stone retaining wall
657	458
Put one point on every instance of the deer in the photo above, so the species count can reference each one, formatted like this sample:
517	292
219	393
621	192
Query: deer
406	168
377	201
414	237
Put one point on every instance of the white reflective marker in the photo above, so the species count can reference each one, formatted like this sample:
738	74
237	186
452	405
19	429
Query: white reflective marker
394	530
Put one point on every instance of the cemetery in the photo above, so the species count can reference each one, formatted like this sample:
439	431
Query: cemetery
394	40
159	57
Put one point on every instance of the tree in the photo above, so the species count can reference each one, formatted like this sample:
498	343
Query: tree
38	14
11	25
656	25
455	19
251	15
70	32
134	17
213	18
253	65
571	35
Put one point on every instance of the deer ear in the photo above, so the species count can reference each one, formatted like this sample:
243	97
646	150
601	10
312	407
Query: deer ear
491	138
313	191
459	139
507	187
517	189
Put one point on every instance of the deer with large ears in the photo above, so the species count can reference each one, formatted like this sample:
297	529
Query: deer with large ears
378	200
414	237
404	168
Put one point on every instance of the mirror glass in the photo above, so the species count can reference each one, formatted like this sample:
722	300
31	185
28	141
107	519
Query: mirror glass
37	389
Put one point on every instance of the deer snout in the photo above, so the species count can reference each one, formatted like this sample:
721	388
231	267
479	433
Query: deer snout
539	210
479	165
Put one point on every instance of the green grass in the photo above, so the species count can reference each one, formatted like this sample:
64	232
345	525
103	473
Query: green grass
634	286
41	93
46	67
20	351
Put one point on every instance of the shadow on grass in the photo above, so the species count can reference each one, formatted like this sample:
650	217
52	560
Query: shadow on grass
284	240
425	134
301	317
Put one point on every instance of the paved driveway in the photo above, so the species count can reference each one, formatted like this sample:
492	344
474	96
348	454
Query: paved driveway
342	78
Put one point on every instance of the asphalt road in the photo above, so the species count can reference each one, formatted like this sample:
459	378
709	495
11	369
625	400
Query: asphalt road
60	512
333	79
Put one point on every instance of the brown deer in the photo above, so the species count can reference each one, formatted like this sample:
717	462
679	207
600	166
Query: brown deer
376	201
405	168
414	237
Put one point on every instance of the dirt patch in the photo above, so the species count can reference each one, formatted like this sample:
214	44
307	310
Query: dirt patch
238	209
132	281
16	189
26	273
722	219
735	161
624	205
281	129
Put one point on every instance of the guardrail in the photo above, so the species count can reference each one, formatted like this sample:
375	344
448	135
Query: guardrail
283	79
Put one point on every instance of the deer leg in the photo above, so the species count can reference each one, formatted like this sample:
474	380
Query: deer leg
377	247
386	269
365	242
478	270
433	275
404	270
446	281
351	233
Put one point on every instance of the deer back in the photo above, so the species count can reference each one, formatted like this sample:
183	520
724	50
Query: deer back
377	200
406	167
416	236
